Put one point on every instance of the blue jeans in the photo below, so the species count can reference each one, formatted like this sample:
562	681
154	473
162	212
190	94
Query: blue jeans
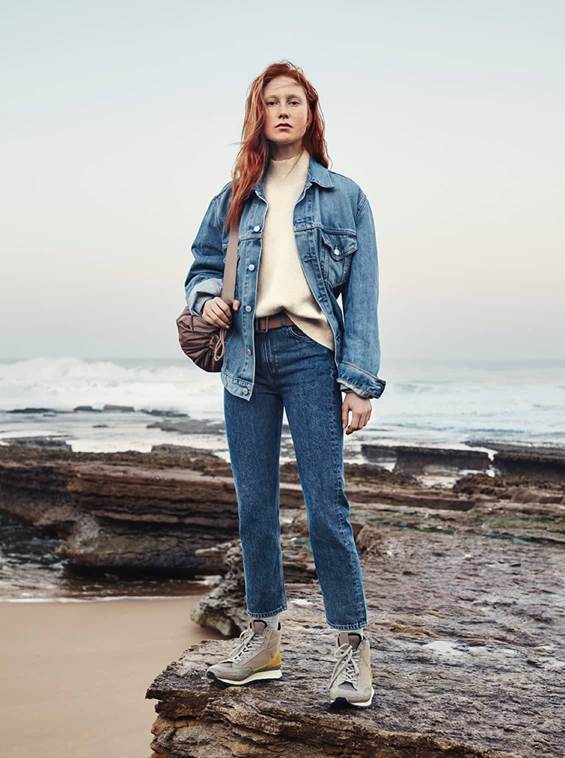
294	372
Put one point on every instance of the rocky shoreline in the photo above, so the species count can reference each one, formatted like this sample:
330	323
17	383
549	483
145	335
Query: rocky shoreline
464	585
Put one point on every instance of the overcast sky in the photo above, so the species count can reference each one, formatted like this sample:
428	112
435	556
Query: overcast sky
120	120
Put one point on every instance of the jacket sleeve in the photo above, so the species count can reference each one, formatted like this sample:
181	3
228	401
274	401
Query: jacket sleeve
361	354
204	279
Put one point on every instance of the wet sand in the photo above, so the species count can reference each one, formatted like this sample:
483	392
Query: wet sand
74	675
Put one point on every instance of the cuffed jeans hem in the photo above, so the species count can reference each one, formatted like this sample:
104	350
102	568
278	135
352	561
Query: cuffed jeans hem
346	627
259	615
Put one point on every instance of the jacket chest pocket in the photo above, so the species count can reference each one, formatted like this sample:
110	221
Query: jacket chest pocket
336	250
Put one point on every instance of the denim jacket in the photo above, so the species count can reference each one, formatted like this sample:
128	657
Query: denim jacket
335	236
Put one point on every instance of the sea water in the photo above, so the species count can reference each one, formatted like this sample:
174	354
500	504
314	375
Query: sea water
431	403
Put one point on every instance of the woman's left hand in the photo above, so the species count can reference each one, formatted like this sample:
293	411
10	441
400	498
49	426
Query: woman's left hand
360	408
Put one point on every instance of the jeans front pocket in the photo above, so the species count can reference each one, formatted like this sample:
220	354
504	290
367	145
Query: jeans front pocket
296	332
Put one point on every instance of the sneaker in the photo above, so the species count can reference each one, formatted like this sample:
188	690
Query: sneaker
256	656
352	680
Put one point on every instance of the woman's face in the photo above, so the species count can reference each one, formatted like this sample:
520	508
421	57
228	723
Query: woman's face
285	103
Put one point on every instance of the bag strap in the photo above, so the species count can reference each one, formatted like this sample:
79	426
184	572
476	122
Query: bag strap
228	286
230	268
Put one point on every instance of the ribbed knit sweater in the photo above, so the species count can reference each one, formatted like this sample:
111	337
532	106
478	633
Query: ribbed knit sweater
282	284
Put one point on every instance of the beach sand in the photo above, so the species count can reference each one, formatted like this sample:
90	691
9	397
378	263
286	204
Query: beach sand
74	675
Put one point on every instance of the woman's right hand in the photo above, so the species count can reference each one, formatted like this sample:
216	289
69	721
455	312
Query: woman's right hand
218	312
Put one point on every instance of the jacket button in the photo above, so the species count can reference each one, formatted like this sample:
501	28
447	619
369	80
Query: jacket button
245	390
248	308
248	351
251	267
337	251
256	228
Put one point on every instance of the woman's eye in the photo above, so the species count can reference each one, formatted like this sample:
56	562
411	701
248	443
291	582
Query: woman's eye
293	102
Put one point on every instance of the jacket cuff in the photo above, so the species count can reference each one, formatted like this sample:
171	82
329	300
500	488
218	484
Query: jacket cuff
201	292
361	382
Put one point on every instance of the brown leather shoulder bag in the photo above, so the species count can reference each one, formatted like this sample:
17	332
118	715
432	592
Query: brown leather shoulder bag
199	340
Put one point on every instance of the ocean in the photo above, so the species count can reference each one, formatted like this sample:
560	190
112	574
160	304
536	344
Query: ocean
424	403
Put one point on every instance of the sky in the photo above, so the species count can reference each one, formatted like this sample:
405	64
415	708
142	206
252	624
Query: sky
120	120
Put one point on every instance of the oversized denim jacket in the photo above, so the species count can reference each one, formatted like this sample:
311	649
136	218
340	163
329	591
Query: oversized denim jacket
335	237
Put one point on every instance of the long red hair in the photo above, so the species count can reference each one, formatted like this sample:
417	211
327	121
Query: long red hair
254	151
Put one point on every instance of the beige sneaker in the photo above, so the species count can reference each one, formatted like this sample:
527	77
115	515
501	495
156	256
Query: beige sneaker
352	679
256	656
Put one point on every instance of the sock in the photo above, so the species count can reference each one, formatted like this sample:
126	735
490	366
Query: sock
360	632
351	636
272	621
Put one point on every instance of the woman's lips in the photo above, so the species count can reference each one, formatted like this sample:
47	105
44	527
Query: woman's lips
284	126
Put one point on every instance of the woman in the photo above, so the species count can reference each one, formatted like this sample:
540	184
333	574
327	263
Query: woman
306	235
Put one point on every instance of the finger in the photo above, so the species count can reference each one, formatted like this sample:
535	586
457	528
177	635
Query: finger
221	318
207	314
220	321
344	413
352	426
223	306
355	421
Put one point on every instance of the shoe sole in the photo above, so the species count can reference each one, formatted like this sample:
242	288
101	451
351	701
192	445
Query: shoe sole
360	704
258	676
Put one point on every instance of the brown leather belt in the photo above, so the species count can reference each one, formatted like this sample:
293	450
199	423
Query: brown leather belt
273	322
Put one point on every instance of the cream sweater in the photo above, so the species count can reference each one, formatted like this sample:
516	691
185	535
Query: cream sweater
282	284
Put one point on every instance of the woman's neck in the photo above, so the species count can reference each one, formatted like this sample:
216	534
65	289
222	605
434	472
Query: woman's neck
285	152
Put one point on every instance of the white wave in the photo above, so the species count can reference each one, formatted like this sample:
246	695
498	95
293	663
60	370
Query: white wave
64	383
424	402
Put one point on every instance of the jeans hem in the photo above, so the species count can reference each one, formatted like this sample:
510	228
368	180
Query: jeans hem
349	627
268	614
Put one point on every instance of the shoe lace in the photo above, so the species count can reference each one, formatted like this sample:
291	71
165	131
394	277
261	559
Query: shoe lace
249	641
346	668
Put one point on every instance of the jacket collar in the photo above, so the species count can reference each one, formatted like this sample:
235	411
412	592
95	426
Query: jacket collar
316	173
319	173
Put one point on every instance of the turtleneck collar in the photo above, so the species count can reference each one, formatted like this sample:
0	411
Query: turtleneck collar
285	166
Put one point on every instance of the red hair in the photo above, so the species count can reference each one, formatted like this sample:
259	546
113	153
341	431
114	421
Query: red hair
254	151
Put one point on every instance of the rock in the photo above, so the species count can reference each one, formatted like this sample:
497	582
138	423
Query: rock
34	410
43	441
418	459
525	463
463	583
525	460
123	511
187	450
189	426
163	510
468	657
164	414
